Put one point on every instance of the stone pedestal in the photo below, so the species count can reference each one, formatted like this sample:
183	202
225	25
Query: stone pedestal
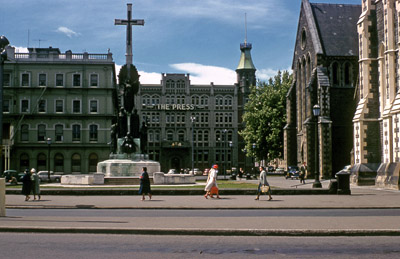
127	167
98	178
2	197
82	179
161	178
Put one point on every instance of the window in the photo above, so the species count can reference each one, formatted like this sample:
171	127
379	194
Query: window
76	132
24	132
76	106
93	160
59	131
24	161
58	163
41	162
181	135
76	80
42	106
25	79
60	106
59	80
24	105
93	106
76	163
41	134
6	79
93	132
94	80
42	79
170	135
6	105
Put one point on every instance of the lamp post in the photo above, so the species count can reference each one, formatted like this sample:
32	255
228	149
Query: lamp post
224	148
193	119
254	162
48	158
231	159
3	57
316	112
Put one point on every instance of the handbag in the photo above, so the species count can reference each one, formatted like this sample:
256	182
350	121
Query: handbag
214	190
265	188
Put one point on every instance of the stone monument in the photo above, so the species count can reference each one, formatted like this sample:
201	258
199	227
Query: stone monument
128	140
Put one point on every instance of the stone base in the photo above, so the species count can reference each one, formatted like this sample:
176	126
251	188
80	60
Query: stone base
364	174
388	176
81	179
127	167
161	178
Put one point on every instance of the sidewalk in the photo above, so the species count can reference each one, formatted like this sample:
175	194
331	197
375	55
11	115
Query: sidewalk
127	214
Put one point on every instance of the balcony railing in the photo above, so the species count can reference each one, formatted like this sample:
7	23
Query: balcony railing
68	56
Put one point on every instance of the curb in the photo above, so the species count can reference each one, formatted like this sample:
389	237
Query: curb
206	232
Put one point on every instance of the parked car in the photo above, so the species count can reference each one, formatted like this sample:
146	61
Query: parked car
280	171
271	169
44	176
9	174
172	171
293	172
196	171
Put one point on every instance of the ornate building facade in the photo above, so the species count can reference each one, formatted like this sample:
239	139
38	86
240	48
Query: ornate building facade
376	121
65	98
197	124
325	68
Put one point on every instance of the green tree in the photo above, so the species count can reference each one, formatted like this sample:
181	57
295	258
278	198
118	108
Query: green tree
265	117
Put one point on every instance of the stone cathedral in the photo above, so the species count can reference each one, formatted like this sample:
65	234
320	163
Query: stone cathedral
325	68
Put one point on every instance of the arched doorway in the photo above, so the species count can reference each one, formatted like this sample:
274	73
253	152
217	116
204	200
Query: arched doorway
176	164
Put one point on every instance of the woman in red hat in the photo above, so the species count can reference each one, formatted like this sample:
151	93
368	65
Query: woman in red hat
212	182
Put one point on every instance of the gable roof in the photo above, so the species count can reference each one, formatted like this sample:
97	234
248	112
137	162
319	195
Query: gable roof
337	28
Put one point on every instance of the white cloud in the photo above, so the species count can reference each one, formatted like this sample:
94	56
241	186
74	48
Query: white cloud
202	74
149	78
266	73
67	31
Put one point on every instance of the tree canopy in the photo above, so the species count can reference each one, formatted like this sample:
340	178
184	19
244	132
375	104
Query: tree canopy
265	117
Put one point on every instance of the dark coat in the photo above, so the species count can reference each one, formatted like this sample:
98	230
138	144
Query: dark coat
26	184
144	183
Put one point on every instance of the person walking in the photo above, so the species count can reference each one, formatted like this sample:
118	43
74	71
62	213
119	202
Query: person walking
262	182
302	175
212	182
26	185
145	184
35	184
241	173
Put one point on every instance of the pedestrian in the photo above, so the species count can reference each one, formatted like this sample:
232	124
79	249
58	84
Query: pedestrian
211	184
35	184
241	173
263	183
302	174
26	185
144	184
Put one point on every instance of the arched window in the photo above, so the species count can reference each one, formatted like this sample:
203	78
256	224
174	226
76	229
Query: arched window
348	74
76	163
181	135
41	132
59	163
170	135
24	132
335	74
41	162
23	162
93	160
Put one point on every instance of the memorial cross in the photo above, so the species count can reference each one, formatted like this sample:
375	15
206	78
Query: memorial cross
128	22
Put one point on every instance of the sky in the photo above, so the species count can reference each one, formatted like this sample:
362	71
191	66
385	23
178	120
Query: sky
199	37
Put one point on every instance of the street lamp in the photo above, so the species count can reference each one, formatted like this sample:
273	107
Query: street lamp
48	158
193	118
224	149
254	156
3	57
316	112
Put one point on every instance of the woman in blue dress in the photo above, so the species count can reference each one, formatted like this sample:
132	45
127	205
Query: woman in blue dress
144	184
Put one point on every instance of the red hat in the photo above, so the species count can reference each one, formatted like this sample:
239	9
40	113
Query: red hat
215	166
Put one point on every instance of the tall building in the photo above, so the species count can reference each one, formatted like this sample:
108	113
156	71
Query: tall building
197	123
325	68
57	104
376	120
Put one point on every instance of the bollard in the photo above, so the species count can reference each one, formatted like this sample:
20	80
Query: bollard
343	179
2	197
